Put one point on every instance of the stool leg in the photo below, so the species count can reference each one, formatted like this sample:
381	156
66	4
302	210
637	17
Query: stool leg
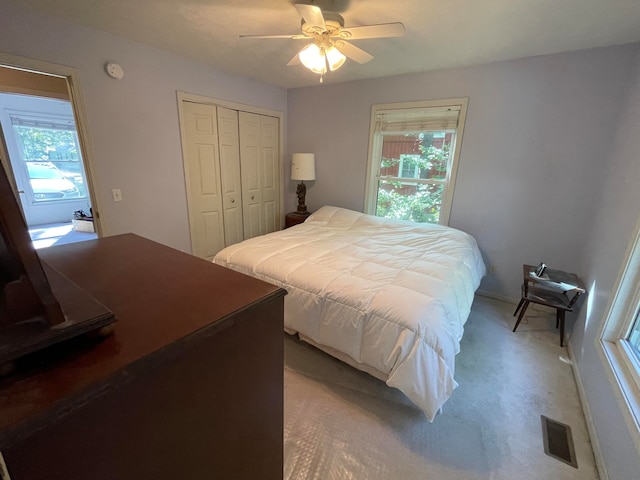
518	307
561	314
558	317
524	309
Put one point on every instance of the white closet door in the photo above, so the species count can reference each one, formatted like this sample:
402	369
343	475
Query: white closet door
260	173
230	174
270	176
202	173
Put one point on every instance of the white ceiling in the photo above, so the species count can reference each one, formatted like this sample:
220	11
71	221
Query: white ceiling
439	33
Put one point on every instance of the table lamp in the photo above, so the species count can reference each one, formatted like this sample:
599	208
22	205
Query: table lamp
303	167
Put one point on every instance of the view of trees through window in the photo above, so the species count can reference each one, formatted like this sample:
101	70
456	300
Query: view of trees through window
413	175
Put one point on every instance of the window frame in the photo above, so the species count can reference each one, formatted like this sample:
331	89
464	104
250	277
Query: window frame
375	152
623	309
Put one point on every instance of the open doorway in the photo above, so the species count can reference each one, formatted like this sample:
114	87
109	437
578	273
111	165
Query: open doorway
44	158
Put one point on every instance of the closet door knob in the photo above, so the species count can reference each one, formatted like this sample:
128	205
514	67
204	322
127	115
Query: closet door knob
252	197
233	200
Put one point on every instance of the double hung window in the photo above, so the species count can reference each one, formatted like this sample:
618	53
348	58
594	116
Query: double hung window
413	155
621	335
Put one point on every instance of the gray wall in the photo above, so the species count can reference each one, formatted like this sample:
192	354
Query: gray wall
548	171
133	123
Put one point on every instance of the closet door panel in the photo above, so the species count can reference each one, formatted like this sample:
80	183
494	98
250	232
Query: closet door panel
250	168
252	215
270	174
230	173
203	180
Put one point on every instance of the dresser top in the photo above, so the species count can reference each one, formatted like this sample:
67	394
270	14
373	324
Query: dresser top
159	295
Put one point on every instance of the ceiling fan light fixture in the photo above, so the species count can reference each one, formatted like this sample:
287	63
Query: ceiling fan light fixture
335	59
312	57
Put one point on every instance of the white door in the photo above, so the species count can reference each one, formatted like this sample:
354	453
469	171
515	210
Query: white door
230	174
270	173
42	143
260	173
202	171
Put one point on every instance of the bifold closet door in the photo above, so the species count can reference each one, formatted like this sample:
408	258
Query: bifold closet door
260	173
230	174
202	171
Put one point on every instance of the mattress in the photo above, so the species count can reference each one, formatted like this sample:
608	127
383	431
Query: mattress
388	297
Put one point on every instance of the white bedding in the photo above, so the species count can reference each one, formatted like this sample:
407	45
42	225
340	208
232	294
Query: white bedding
389	297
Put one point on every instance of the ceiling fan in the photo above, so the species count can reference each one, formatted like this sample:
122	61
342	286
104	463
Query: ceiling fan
329	48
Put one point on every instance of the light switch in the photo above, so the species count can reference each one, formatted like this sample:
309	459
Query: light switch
117	194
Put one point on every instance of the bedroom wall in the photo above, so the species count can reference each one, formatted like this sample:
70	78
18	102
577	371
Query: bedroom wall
133	123
605	246
549	171
531	164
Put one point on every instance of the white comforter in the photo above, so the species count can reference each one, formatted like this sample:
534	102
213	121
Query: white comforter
391	297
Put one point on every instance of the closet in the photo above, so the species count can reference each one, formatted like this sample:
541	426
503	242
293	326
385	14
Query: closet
232	172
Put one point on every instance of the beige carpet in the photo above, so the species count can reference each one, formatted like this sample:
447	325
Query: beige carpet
344	424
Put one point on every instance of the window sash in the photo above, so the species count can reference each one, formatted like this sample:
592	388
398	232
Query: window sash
629	351
622	364
449	108
47	123
421	181
415	120
633	337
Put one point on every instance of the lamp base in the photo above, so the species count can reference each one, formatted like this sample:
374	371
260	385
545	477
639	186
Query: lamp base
301	191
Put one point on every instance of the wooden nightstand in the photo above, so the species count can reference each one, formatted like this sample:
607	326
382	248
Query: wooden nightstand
294	218
554	288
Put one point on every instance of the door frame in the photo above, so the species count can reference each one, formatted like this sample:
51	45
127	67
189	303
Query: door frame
71	76
190	97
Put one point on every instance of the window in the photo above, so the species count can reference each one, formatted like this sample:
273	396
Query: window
634	338
413	155
51	156
621	335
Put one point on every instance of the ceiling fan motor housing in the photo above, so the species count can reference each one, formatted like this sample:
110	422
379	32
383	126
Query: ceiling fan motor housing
333	23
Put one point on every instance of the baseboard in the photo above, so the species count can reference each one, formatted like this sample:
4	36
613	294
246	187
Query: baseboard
591	430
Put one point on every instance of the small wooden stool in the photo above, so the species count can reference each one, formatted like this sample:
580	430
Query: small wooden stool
555	289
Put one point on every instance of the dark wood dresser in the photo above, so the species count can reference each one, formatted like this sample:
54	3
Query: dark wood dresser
189	385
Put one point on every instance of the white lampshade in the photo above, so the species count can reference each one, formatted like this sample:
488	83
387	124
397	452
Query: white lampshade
316	58
335	59
313	58
303	166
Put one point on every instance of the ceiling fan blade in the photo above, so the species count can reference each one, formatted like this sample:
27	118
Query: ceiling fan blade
353	52
294	61
297	36
312	15
383	30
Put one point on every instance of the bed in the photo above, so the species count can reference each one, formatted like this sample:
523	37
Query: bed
388	297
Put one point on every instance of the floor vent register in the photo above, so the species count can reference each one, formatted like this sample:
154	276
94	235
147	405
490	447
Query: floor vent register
558	441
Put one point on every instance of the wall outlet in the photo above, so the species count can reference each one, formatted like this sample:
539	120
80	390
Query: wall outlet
493	268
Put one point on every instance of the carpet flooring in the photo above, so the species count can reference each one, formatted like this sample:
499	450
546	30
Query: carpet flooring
343	424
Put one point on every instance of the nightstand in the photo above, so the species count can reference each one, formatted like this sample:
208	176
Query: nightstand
294	218
551	288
